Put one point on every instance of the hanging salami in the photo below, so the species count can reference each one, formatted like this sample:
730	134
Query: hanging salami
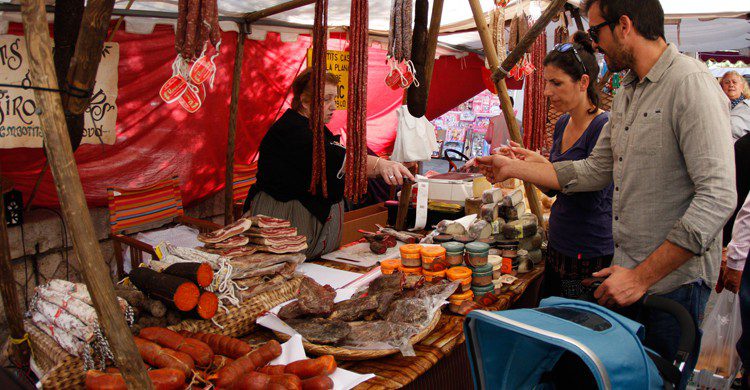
417	97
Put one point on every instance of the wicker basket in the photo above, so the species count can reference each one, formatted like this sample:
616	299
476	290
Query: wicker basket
341	353
64	371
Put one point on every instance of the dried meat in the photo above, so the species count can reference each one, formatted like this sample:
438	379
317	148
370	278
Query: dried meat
232	242
413	311
271	232
276	241
231	230
354	309
289	248
316	300
367	332
264	221
320	330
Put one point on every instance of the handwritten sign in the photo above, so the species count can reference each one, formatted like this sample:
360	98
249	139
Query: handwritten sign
20	126
337	62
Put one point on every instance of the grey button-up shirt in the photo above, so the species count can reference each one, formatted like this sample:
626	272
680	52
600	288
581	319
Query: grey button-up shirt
668	150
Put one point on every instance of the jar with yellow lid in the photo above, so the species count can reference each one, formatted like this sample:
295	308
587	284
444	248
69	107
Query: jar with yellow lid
411	270
433	276
462	274
389	266
455	300
410	255
433	258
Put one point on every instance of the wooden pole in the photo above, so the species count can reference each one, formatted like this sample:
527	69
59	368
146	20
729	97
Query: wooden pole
72	201
502	89
88	53
403	204
576	14
233	105
432	39
13	314
276	9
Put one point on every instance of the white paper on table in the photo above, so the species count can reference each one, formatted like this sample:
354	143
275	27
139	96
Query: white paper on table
292	350
361	255
323	275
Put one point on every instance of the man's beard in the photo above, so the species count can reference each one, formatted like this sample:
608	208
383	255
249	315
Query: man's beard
619	59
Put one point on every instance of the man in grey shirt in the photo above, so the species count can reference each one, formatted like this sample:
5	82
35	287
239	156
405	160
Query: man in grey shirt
668	150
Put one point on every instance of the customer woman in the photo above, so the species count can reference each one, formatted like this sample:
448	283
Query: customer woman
737	90
580	224
282	189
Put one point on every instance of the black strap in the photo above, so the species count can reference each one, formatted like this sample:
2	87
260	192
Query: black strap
667	370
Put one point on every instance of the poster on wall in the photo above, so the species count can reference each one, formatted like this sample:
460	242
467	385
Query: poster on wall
20	126
337	62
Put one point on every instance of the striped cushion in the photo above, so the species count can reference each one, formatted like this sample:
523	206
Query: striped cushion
244	178
129	208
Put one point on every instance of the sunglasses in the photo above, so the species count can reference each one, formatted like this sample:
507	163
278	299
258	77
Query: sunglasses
564	47
594	30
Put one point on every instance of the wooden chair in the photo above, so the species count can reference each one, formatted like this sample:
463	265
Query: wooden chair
243	178
134	209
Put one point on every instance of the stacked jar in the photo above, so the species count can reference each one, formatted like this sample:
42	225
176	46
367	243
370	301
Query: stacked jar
411	259
454	253
477	256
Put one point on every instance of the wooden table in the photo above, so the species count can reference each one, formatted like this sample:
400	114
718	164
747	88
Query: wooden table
442	349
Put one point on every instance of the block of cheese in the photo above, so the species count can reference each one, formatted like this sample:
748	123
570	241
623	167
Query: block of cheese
513	198
479	185
492	196
512	213
530	243
527	226
473	205
489	212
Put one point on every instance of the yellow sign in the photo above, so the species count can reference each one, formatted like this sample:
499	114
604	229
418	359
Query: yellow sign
337	62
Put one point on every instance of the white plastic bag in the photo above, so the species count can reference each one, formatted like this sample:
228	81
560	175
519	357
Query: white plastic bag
721	330
415	138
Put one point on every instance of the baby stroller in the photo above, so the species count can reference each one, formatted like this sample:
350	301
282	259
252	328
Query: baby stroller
571	344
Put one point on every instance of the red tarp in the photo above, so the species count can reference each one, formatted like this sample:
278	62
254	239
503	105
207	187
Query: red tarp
156	140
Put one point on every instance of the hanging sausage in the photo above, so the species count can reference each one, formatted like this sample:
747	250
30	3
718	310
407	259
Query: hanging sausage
416	99
320	44
356	120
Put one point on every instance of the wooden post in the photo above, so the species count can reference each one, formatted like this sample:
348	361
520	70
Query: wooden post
233	105
13	314
432	39
276	9
502	89
403	204
88	53
576	14
72	201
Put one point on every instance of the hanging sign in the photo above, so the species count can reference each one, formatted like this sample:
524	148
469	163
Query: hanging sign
337	62
20	126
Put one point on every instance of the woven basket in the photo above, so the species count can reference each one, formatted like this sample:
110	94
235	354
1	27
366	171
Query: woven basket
241	320
341	353
64	371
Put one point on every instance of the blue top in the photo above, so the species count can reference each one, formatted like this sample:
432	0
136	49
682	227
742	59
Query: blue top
580	224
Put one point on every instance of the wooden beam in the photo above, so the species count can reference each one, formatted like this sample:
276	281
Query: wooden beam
502	89
19	352
432	38
576	14
72	200
276	9
88	53
233	105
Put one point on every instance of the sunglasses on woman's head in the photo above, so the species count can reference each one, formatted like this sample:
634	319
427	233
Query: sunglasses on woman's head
594	30
563	47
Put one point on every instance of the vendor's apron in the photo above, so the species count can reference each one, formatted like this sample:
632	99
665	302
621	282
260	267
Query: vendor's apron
322	238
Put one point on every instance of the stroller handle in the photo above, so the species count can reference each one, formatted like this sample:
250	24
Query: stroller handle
687	325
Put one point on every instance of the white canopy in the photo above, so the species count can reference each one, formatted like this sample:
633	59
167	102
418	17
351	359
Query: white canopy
692	25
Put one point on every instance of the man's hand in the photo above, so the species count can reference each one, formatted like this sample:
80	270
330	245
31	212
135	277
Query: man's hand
495	167
622	287
729	279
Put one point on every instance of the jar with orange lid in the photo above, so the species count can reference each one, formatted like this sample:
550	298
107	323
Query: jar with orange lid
410	255
433	258
389	266
433	276
411	270
462	274
455	300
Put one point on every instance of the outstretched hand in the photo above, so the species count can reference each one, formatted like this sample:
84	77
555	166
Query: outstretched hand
495	167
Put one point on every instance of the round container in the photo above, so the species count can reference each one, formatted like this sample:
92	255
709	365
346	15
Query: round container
522	256
494	260
481	276
496	252
476	254
441	238
455	300
410	256
480	291
411	270
389	266
433	276
433	258
463	239
497	271
489	241
454	253
508	248
460	273
507	266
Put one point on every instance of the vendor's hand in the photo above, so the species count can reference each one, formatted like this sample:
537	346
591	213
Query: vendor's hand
516	151
730	280
394	172
623	287
495	167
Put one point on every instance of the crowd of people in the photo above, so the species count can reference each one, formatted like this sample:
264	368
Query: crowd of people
644	191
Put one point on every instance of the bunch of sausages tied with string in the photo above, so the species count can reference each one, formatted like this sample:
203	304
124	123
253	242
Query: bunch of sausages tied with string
197	31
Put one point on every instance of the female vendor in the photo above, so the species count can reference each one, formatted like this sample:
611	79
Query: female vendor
285	171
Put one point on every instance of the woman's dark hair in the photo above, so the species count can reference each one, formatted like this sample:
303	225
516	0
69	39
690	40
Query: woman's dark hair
647	15
568	63
302	85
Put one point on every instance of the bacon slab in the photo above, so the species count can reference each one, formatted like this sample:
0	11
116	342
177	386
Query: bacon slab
264	221
231	230
278	240
271	232
231	242
282	248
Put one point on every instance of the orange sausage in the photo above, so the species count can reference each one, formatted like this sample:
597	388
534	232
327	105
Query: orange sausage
308	368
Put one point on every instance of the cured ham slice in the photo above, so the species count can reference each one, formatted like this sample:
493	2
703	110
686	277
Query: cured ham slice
231	230
231	242
283	248
273	241
238	251
264	221
271	232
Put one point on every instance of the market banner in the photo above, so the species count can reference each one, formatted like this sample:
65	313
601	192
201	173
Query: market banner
337	62
19	122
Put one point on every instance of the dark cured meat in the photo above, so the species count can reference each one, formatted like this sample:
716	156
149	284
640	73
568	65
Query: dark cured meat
354	309
192	29
215	30
179	39
416	99
321	331
410	311
314	299
291	311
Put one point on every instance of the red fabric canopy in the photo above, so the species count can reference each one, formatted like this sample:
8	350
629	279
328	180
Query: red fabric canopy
156	140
